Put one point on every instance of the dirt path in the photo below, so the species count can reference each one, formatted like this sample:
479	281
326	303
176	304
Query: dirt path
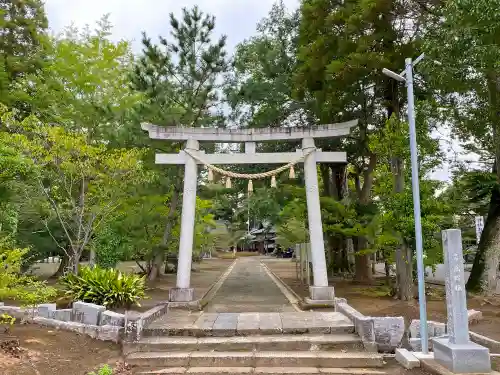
248	288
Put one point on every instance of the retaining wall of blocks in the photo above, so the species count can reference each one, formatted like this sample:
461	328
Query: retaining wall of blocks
85	318
383	334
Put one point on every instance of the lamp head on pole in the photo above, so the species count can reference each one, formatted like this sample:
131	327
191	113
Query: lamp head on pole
393	75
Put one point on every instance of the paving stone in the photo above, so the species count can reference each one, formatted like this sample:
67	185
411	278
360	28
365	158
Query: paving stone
221	359
225	324
294	323
270	323
204	324
248	324
220	370
285	359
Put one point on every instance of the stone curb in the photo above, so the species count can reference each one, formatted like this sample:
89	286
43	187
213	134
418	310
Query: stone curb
292	297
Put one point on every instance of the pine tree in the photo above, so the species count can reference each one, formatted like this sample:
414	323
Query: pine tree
181	79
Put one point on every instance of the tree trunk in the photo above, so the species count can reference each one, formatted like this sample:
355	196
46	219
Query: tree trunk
159	256
404	255
362	262
484	270
61	270
387	268
325	177
404	273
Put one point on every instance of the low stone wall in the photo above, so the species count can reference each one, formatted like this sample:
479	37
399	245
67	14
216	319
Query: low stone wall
135	322
436	329
383	334
85	318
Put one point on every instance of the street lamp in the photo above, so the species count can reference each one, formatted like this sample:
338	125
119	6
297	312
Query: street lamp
408	72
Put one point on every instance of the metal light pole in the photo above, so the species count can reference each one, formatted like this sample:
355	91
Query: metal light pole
416	193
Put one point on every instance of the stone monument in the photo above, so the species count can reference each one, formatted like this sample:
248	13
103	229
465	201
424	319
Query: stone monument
456	352
191	156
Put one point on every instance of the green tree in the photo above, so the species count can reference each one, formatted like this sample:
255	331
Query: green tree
84	83
82	184
343	47
23	24
466	44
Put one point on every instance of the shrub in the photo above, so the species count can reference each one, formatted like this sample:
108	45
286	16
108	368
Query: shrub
108	287
17	286
104	370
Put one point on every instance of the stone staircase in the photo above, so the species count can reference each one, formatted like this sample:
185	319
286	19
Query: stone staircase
251	343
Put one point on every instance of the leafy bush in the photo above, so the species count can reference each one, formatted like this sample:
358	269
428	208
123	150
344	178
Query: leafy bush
17	286
107	287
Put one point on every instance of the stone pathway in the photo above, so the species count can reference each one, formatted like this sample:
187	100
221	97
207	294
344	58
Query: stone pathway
248	288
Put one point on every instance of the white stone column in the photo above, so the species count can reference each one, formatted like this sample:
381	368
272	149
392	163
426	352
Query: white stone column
456	352
320	290
183	292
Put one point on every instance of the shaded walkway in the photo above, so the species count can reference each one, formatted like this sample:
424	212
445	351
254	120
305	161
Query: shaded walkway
248	288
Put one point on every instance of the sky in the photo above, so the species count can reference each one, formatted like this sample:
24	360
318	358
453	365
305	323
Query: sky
235	18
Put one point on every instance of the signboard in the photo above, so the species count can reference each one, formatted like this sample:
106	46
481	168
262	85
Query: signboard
479	227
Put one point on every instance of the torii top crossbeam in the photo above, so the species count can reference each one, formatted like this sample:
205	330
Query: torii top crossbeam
247	135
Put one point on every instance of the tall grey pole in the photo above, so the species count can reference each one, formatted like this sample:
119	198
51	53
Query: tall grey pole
416	207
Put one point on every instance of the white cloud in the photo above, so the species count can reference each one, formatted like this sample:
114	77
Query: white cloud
235	18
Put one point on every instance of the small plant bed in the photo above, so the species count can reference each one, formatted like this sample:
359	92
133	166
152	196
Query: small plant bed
44	351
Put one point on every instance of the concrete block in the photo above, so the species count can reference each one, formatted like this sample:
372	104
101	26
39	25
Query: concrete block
406	359
415	328
87	313
225	324
112	318
439	329
322	293
389	332
181	294
45	310
270	323
63	315
248	324
295	323
203	326
462	358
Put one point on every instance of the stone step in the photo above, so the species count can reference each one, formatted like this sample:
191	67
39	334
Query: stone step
263	371
338	342
320	359
247	324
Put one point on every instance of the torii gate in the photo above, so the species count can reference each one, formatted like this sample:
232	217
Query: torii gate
192	156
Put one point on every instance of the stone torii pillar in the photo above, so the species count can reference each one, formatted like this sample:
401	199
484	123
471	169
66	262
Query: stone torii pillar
309	155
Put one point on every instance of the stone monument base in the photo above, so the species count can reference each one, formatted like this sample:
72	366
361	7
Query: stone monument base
321	293
181	295
462	358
